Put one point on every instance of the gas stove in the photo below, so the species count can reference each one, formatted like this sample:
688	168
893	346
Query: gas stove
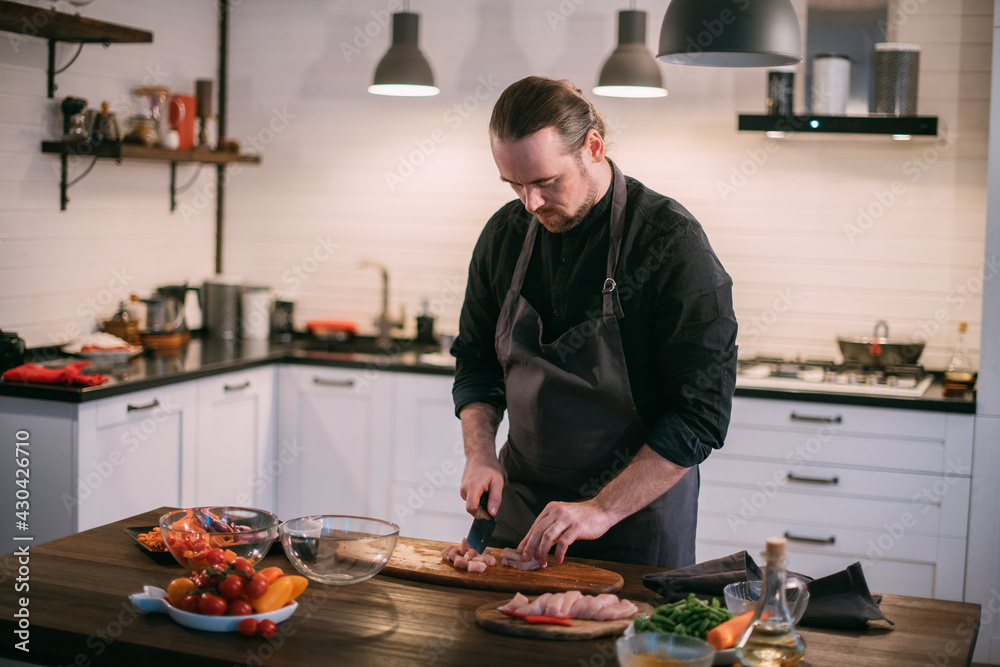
826	376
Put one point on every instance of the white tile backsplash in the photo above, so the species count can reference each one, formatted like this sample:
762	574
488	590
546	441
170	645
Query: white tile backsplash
410	182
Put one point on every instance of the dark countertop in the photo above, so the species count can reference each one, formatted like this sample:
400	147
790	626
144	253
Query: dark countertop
206	357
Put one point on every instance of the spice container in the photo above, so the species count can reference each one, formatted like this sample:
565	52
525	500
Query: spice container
831	84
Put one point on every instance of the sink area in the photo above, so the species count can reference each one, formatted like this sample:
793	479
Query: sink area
367	345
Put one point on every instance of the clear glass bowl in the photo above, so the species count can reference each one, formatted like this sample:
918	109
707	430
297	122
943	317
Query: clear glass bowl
246	531
743	596
644	649
336	549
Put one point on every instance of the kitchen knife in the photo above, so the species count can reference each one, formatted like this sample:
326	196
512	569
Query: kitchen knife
483	525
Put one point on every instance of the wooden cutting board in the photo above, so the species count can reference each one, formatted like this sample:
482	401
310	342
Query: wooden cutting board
490	618
420	560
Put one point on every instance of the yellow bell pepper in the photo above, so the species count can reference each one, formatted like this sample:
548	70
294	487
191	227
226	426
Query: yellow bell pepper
276	596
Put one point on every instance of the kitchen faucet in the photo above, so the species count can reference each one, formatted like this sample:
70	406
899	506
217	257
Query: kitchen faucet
384	323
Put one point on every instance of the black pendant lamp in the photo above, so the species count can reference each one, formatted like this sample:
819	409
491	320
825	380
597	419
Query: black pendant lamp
631	70
730	33
403	70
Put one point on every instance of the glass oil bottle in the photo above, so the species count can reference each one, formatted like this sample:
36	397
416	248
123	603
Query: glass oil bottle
771	639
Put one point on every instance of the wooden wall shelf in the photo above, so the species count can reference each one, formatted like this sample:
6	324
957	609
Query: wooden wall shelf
54	26
120	152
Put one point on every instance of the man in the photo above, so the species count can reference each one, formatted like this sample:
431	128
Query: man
598	316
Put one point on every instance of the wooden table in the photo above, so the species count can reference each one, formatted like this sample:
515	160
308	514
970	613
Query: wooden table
80	615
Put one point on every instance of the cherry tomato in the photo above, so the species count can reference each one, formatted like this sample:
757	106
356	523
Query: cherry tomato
248	627
266	628
211	605
215	556
190	603
239	607
212	582
243	565
179	589
257	587
232	587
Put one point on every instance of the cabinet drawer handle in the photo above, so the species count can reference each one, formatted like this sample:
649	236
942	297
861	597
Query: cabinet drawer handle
332	383
796	417
792	477
155	403
235	387
811	540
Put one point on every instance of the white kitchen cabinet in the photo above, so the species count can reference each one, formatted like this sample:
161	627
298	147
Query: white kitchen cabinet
888	488
235	438
419	490
130	453
331	423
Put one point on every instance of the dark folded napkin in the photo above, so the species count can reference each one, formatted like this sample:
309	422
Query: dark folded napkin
707	578
840	600
69	375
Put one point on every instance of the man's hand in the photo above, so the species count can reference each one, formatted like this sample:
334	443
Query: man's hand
561	524
647	477
479	477
482	469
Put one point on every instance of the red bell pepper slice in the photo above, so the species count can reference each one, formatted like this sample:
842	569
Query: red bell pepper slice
540	619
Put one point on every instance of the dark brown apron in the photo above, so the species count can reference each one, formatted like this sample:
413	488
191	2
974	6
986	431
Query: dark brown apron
574	425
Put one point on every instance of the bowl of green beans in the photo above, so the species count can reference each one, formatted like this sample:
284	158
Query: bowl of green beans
690	617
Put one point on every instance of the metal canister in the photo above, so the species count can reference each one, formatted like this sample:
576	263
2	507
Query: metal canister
897	73
222	307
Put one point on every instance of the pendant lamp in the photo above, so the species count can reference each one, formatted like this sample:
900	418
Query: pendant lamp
631	70
403	70
730	33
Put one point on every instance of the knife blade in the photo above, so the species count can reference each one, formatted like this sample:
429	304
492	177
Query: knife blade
483	525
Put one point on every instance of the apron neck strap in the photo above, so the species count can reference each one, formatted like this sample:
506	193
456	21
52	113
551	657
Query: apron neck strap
611	305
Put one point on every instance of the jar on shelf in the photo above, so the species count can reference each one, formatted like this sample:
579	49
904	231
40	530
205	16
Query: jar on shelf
142	131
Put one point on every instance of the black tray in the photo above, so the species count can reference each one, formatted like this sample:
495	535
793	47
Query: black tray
166	556
159	556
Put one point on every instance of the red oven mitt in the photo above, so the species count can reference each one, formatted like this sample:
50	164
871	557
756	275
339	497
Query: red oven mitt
69	375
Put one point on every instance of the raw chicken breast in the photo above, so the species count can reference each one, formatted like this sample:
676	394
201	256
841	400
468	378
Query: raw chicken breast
573	604
517	601
511	558
464	557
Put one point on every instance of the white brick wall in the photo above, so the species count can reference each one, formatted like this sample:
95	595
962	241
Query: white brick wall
298	89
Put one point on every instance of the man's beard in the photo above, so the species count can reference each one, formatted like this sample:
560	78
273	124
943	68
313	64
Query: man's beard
562	223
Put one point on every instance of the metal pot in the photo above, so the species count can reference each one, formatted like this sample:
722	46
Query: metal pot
880	350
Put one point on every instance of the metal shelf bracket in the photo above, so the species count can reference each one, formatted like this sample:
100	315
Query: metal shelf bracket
174	190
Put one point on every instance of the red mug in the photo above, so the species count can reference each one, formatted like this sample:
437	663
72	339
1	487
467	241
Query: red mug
182	116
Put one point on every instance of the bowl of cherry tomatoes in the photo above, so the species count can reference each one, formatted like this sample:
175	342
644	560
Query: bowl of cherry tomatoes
228	596
191	534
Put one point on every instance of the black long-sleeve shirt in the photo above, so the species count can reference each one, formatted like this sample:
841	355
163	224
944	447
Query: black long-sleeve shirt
679	329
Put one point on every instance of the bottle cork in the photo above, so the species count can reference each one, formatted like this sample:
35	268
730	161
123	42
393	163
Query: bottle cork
775	548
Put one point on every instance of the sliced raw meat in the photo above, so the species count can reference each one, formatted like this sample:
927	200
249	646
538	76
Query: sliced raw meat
517	601
573	604
511	558
464	557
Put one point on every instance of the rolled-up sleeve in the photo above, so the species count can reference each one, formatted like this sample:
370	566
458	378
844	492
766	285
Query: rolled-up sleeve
694	341
478	373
